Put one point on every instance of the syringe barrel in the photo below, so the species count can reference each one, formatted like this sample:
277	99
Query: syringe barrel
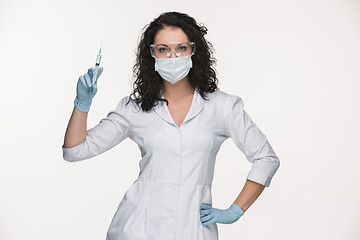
98	59
95	74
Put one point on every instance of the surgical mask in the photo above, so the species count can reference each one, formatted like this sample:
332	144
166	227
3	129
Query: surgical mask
173	69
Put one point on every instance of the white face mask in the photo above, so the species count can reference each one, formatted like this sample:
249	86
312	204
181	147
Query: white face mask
173	69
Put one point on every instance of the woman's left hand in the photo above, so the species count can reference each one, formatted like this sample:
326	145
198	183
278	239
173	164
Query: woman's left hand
209	215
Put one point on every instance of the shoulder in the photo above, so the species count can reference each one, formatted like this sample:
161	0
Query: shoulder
127	104
222	97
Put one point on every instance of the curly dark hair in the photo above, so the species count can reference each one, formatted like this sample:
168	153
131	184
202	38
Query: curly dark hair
148	82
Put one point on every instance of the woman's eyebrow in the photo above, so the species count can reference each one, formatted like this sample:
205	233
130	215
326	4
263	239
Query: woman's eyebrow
162	44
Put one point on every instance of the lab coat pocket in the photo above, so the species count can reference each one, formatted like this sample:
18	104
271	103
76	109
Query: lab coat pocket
130	218
161	223
135	226
205	194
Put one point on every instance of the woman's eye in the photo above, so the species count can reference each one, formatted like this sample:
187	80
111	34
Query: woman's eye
162	49
182	48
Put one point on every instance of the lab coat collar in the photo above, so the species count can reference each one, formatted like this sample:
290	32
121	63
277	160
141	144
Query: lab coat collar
196	106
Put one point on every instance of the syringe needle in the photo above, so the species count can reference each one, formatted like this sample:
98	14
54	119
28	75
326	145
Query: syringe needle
101	46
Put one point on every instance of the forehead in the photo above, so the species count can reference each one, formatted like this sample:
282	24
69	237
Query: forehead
170	34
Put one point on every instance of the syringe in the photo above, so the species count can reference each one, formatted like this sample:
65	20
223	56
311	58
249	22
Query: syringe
97	64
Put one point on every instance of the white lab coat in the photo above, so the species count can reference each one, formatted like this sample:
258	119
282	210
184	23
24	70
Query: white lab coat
177	164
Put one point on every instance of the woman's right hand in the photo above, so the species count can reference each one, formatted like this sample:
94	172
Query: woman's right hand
85	90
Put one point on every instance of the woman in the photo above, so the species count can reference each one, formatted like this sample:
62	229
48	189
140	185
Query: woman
179	119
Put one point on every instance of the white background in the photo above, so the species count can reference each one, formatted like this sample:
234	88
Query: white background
294	63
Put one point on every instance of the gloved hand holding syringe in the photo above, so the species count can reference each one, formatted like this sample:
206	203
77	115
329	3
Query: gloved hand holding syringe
87	86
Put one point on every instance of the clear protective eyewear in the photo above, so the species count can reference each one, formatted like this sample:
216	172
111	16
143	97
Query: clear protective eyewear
162	50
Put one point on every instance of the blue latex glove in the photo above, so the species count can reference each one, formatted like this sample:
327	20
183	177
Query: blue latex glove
85	90
209	215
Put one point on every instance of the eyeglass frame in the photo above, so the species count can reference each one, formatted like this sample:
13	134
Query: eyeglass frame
152	46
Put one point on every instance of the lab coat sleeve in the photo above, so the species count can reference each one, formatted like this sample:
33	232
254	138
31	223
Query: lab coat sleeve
109	132
251	141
